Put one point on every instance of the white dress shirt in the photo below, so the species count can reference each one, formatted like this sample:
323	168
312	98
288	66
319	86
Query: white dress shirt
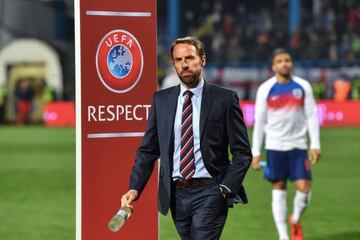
200	170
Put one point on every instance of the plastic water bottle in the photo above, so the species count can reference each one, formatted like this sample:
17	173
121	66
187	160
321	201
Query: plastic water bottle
119	219
262	164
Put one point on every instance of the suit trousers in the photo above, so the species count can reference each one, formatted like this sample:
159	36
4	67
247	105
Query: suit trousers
199	212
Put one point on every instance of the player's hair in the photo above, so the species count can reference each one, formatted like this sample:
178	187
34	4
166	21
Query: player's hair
278	51
189	40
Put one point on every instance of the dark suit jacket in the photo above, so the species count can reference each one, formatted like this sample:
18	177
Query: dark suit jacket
221	127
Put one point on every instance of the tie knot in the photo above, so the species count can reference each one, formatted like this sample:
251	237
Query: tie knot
188	93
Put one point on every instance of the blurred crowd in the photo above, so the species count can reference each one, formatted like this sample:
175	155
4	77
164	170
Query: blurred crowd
240	36
249	30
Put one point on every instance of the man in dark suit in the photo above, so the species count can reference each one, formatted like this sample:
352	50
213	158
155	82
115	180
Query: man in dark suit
192	126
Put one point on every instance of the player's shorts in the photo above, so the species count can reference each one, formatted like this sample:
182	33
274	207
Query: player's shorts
283	165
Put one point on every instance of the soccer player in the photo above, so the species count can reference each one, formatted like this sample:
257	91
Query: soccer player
285	111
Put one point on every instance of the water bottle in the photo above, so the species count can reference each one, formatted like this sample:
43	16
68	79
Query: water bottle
119	219
262	164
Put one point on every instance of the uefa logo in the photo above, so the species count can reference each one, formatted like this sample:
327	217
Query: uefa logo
119	61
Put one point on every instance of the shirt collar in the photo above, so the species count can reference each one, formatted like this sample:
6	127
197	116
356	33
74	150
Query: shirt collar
196	90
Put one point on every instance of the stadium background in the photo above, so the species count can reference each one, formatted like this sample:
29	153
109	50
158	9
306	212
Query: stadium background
37	163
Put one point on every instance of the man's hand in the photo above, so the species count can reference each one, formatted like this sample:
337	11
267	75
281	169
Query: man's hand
314	155
128	198
222	192
255	163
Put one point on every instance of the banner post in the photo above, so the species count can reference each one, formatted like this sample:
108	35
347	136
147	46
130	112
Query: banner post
116	77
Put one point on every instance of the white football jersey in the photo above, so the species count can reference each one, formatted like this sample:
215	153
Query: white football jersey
284	112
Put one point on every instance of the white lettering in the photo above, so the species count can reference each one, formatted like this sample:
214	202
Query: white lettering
110	110
135	116
123	38
147	107
108	42
119	111
129	43
128	112
110	113
101	113
91	113
116	39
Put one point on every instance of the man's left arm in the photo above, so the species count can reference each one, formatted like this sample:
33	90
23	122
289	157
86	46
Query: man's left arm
239	147
312	124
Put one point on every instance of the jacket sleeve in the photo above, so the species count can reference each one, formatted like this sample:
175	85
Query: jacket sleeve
239	147
146	154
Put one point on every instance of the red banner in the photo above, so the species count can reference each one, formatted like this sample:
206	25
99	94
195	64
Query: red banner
59	114
330	113
118	78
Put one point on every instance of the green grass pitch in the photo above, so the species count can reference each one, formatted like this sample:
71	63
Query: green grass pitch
334	211
37	183
37	190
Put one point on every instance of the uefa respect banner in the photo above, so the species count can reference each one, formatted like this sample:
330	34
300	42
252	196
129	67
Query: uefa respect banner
116	78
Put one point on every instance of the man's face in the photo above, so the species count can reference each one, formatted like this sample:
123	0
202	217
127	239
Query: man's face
188	64
282	64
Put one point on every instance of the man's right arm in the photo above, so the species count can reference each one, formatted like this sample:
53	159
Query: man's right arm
146	155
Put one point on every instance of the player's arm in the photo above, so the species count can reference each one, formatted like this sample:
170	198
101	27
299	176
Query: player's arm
259	127
312	124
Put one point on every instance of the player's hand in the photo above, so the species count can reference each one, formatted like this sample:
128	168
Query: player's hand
128	198
255	163
314	155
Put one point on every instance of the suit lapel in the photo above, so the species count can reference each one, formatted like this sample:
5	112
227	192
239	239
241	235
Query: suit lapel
170	114
205	107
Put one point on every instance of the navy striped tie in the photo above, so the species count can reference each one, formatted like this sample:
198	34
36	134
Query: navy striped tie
187	159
